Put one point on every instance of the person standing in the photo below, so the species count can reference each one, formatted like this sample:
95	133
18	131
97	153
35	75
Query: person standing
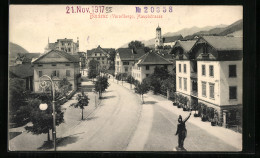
181	131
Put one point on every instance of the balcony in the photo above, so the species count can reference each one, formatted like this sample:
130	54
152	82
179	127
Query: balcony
193	75
194	93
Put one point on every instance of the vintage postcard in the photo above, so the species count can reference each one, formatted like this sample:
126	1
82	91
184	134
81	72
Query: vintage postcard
125	78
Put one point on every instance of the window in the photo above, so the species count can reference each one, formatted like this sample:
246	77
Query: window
211	70
67	64
62	43
184	68
232	92
147	75
179	67
232	71
40	73
103	62
117	63
68	73
39	65
68	49
185	83
165	66
211	90
126	69
53	64
147	67
103	58
179	82
98	58
62	49
203	70
95	54
204	89
55	73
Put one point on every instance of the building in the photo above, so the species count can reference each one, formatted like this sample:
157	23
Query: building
165	41
66	45
102	55
24	72
58	65
26	58
209	72
126	58
146	64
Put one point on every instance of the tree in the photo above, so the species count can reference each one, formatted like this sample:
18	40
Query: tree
17	100
64	87
135	45
112	55
169	84
141	88
42	121
101	85
83	100
93	69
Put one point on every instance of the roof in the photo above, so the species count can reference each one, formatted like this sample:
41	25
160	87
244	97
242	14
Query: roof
100	50
64	54
172	38
152	58
186	45
222	43
22	70
130	54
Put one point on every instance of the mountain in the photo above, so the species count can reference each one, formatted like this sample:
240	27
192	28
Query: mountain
228	30
184	32
14	49
189	31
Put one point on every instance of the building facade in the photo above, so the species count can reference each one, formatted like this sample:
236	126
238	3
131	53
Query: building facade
102	55
125	59
209	71
66	45
58	65
147	63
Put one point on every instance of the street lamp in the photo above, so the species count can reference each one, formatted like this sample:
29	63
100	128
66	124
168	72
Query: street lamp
44	107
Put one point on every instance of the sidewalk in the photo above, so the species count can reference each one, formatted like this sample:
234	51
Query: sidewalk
226	135
26	141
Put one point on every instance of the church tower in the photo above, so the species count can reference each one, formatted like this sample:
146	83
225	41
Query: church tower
158	39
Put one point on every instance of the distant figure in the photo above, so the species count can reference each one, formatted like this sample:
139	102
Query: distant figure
181	131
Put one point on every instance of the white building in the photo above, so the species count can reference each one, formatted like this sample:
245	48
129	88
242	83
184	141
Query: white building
146	64
125	59
66	45
210	72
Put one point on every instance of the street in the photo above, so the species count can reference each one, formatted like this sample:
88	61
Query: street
121	123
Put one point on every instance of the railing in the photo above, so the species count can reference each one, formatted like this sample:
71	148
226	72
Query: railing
194	93
193	75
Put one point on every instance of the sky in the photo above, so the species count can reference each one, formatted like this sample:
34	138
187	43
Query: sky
30	26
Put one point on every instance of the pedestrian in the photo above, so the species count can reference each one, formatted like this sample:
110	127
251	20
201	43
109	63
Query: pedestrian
181	131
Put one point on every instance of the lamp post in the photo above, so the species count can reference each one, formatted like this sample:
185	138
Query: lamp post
44	107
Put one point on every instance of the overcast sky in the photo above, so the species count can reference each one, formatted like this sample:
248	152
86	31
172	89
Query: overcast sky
31	25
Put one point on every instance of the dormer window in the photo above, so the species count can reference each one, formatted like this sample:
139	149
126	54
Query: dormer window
205	51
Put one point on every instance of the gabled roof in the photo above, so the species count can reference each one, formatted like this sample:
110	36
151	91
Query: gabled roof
185	45
172	38
64	54
153	58
22	70
130	54
100	50
221	43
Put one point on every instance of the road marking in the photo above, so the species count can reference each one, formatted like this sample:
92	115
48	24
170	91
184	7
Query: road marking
143	129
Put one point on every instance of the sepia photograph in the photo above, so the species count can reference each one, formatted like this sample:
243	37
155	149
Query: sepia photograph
125	78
